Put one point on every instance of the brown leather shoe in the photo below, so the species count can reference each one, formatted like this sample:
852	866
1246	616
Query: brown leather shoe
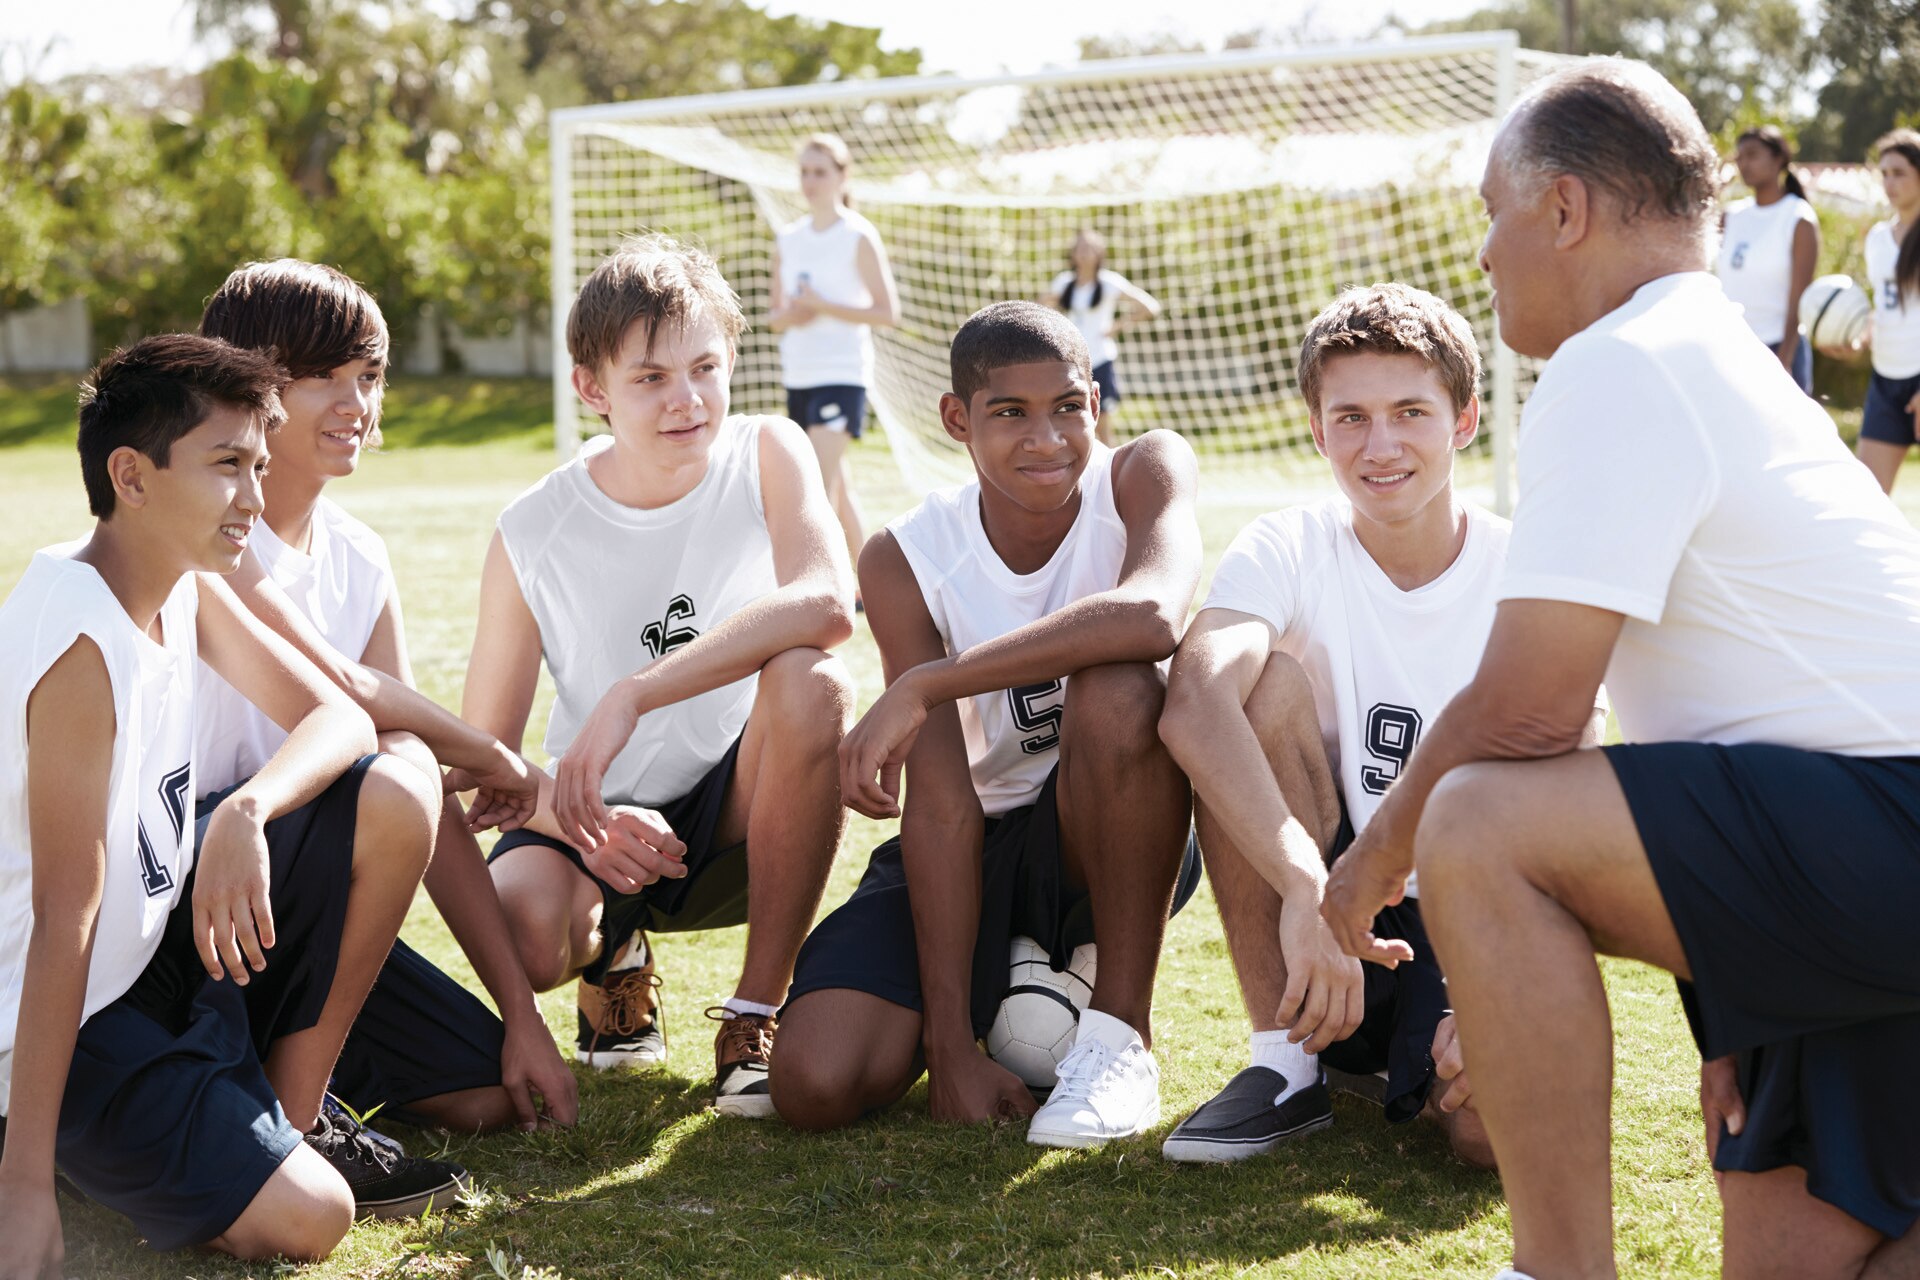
630	1025
742	1056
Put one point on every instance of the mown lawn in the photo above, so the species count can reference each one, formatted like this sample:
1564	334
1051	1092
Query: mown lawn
651	1183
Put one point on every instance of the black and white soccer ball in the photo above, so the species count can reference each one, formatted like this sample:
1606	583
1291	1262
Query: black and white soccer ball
1040	1017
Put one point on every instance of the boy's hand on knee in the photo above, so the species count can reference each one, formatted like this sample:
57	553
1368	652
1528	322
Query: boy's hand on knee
1325	997
30	1243
877	748
1450	1067
639	848
232	912
577	804
1720	1101
1365	879
974	1089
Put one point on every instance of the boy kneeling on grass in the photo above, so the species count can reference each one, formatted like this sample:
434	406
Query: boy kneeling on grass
173	994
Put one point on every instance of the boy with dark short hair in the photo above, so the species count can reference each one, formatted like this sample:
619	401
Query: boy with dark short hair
173	995
682	579
1021	620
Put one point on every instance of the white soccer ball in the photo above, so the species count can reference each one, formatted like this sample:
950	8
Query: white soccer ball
1040	1016
1836	312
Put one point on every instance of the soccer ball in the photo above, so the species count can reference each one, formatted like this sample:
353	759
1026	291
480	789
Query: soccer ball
1835	311
1040	1017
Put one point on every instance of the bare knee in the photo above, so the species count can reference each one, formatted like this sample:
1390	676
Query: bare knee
822	1077
484	1110
303	1211
397	817
1468	1134
408	747
1118	705
552	913
808	694
1452	845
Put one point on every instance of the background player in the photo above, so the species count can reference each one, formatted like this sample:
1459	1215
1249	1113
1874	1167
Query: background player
1019	620
1769	248
681	578
1100	303
1893	273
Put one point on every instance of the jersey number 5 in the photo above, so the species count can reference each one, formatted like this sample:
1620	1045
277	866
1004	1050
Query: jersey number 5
1391	734
173	794
1029	717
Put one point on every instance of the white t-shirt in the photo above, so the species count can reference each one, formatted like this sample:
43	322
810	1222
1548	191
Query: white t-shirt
1756	260
826	351
1093	319
616	588
1013	735
150	787
1670	471
1896	328
340	584
1383	662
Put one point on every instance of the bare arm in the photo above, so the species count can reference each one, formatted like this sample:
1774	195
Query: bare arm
1140	620
1806	255
1136	305
1532	698
504	667
811	607
70	731
780	316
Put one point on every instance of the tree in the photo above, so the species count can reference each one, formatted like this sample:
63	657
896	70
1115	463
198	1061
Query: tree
1873	47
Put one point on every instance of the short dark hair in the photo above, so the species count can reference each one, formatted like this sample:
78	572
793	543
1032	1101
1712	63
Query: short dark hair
148	395
1392	319
1013	333
1623	130
310	317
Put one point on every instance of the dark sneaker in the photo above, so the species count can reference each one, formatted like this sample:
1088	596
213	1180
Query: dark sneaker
742	1056
1242	1120
630	1032
383	1185
337	1111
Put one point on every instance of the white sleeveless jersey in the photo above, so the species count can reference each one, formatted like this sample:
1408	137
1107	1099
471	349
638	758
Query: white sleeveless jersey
1093	320
825	351
1013	735
615	588
150	788
1896	327
340	585
1755	265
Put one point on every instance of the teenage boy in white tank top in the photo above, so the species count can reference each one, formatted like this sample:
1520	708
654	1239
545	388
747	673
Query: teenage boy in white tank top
1332	635
1021	620
130	944
682	580
424	1047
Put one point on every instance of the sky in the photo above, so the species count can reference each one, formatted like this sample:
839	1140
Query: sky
971	38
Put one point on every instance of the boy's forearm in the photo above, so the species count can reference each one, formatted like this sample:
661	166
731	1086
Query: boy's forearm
324	745
942	862
800	615
1232	780
460	886
1090	632
393	705
53	995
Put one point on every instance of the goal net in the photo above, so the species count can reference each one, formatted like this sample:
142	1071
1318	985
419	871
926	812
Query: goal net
1241	190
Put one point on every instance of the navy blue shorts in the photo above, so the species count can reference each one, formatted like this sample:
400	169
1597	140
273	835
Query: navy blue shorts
420	1034
1790	877
713	893
842	408
1886	418
168	1117
1802	369
867	943
1108	381
1404	1006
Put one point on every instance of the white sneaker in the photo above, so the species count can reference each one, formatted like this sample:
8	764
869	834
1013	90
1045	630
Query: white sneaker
1109	1088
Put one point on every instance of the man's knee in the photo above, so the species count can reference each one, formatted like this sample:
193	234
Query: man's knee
1117	705
807	693
1455	840
303	1211
397	816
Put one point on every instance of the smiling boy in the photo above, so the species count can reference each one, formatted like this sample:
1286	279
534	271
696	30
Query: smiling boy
1020	621
1332	634
682	579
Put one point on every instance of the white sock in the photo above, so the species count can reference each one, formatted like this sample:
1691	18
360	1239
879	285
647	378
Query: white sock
1295	1065
734	1006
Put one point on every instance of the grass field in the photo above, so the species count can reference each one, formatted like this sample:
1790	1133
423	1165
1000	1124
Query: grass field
651	1183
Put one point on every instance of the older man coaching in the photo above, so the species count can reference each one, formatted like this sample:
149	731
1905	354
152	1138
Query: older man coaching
1689	527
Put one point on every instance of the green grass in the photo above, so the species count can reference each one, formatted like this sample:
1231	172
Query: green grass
652	1183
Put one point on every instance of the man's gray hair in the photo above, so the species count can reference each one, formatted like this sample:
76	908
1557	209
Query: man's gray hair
1619	127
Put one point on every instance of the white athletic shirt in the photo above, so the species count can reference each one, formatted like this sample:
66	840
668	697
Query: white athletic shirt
1383	662
150	788
1095	323
614	588
1756	260
340	585
826	351
1013	735
1896	329
1670	471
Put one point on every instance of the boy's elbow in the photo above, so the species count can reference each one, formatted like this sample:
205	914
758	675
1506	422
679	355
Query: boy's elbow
1159	630
1189	718
835	613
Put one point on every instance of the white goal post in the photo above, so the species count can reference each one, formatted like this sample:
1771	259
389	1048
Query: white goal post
1243	190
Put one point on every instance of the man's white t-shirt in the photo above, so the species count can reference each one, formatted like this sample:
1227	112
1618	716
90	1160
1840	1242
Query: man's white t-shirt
1756	260
1896	328
1383	662
1094	319
1671	472
149	835
341	583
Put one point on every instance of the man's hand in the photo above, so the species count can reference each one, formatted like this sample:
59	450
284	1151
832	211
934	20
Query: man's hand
509	792
1326	992
543	1090
1720	1101
30	1244
577	805
232	914
877	748
1368	876
637	849
1450	1067
974	1089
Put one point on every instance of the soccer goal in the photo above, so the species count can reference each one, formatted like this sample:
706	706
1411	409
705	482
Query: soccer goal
1243	190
